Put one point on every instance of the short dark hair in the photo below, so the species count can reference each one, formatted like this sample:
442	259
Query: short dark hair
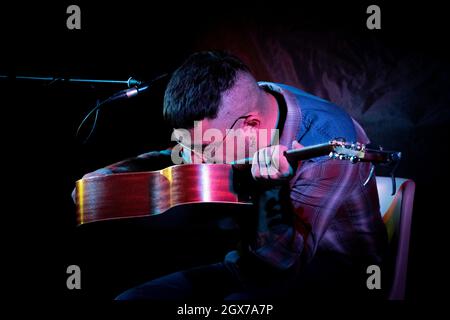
194	90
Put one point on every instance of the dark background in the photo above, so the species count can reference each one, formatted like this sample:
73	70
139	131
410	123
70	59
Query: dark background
394	81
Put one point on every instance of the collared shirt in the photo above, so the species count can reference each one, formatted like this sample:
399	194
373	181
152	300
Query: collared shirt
329	208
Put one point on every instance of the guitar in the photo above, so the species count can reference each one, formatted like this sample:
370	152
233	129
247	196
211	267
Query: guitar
139	194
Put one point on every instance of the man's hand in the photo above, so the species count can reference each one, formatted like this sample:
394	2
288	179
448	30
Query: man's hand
270	163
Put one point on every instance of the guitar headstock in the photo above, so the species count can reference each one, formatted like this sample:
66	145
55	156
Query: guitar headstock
354	152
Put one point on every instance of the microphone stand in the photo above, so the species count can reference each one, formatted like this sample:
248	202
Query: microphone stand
131	82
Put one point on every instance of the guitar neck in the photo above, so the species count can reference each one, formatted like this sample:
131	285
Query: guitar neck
337	150
368	155
309	152
298	154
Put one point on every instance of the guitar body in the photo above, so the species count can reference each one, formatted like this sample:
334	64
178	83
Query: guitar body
139	194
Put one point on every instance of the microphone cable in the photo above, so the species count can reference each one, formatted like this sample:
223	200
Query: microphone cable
126	93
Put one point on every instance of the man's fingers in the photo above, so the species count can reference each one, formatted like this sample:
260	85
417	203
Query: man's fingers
274	169
255	167
270	164
265	167
262	164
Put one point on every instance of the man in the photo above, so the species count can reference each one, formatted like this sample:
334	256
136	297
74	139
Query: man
316	227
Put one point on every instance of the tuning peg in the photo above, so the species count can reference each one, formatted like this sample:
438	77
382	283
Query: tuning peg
354	159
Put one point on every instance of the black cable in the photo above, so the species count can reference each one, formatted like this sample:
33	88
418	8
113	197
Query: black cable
111	98
96	108
93	125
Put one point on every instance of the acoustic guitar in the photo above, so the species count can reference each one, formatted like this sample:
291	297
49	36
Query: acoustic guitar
139	194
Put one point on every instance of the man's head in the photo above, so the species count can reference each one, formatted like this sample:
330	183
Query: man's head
213	92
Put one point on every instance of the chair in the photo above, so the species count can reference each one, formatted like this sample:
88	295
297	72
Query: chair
396	211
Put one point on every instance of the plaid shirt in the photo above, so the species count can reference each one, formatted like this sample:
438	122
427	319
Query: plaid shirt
330	208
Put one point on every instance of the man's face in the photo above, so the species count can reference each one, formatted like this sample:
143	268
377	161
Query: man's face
236	133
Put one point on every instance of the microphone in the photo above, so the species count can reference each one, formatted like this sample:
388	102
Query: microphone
134	91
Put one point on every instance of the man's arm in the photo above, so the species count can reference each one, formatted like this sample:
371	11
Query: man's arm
317	192
153	160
